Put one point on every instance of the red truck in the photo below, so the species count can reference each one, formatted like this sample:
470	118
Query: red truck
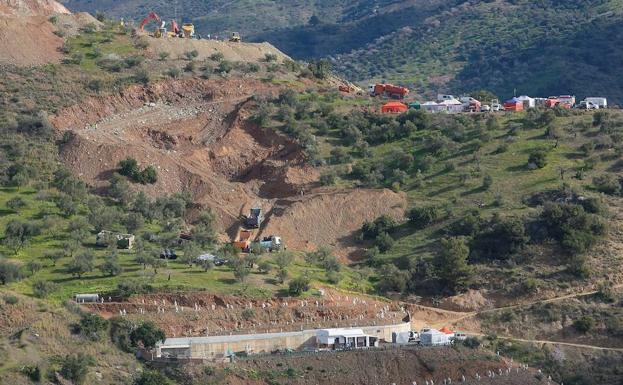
389	90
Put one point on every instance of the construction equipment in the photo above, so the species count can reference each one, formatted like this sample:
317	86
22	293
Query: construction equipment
255	218
271	243
235	37
189	30
150	17
175	29
243	240
389	90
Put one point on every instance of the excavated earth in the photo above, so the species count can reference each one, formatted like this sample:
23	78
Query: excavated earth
198	135
27	33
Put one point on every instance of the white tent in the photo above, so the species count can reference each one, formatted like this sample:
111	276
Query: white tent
527	101
433	337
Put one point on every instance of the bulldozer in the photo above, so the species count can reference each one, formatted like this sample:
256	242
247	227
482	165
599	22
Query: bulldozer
235	37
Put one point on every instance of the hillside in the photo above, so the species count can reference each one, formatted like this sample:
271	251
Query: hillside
456	46
489	222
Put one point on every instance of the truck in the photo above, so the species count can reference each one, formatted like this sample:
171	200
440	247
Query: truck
389	90
601	102
271	243
587	105
243	241
255	218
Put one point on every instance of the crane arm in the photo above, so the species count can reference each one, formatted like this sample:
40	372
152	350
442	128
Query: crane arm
150	17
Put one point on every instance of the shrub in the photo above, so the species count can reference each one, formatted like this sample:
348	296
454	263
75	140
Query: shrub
537	159
420	217
147	335
15	203
92	326
607	184
142	76
151	377
163	55
471	342
173	72
382	224
298	286
498	238
10	299
584	324
248	314
75	367
32	372
120	329
270	57
328	178
384	242
190	55
42	289
452	265
9	272
392	279
217	56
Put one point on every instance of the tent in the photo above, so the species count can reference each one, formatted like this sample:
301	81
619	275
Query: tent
415	105
394	108
527	101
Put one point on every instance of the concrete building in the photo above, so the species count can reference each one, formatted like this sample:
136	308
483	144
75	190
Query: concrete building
220	347
344	338
124	241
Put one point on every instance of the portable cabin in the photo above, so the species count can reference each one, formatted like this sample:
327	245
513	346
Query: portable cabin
394	108
433	337
452	106
87	298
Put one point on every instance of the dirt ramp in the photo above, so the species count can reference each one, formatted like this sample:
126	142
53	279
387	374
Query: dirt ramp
331	218
244	52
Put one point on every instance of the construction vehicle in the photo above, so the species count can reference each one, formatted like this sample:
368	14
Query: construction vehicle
243	240
150	17
598	101
255	218
175	30
552	102
235	37
271	243
389	90
188	30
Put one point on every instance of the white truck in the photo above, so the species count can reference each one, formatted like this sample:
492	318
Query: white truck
601	102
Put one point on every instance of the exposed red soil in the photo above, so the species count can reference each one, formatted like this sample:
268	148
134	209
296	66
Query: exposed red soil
27	35
198	135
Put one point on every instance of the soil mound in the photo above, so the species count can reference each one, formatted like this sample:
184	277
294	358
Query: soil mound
31	8
245	52
27	32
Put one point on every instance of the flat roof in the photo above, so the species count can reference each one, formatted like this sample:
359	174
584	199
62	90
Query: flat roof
342	332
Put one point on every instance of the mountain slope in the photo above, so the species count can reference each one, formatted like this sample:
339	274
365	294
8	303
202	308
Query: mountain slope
537	47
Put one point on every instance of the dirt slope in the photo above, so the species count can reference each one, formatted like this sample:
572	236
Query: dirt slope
247	52
31	8
27	34
198	135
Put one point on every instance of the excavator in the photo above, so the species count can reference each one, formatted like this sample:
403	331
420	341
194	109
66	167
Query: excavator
150	17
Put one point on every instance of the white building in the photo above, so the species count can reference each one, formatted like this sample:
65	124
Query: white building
452	106
433	337
344	338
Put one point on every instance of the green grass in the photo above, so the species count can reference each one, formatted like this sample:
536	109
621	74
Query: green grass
175	276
